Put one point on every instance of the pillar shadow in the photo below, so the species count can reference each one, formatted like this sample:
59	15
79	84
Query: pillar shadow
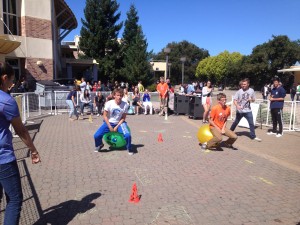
65	212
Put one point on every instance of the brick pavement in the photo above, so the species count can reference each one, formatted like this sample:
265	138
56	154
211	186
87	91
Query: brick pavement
178	182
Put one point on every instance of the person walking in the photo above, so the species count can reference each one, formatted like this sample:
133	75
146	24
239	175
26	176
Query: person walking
276	105
242	99
10	179
72	103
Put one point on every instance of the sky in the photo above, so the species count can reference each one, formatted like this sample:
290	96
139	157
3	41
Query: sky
214	25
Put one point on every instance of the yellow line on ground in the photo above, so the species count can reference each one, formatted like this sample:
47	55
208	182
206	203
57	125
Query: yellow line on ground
252	151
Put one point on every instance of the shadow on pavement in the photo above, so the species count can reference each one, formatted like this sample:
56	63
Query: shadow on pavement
65	212
133	146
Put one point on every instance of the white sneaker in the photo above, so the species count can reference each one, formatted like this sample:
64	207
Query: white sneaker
98	148
278	135
98	114
257	139
270	133
130	153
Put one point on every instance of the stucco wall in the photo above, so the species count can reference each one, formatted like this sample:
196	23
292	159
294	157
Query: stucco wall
36	8
33	48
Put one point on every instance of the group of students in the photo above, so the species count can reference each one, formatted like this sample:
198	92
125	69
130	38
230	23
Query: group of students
242	99
84	100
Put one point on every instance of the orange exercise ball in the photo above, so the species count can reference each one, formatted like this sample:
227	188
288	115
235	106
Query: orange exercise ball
204	134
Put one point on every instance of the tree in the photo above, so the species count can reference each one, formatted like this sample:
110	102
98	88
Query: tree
131	26
193	55
279	52
99	36
134	51
220	68
136	64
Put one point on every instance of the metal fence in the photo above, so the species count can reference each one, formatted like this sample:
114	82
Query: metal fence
33	104
290	114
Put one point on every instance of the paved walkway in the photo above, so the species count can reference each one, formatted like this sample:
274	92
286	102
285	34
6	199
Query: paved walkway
178	182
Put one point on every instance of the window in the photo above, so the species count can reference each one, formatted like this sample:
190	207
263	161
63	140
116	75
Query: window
14	63
10	16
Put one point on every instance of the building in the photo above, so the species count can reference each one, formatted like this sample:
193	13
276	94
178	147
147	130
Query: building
72	66
39	26
295	70
159	69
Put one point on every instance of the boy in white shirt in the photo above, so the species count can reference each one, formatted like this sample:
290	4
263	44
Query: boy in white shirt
114	116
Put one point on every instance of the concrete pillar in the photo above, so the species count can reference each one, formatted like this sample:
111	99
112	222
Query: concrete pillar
95	72
69	71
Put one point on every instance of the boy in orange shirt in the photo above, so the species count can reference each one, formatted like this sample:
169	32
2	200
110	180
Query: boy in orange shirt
162	89
218	119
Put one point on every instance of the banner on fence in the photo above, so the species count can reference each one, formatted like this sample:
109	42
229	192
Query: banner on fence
254	108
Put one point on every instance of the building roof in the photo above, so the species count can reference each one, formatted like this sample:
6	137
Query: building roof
65	17
291	69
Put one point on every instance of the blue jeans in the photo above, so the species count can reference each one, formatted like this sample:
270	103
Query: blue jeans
249	118
72	108
123	129
11	183
82	105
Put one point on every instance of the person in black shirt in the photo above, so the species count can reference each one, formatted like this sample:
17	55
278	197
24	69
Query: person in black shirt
99	102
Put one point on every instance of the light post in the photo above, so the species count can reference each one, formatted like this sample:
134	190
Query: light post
167	51
169	68
182	59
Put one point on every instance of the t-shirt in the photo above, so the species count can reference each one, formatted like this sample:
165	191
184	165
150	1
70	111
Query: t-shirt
82	86
146	97
162	89
278	92
8	111
219	115
242	98
71	93
99	99
115	111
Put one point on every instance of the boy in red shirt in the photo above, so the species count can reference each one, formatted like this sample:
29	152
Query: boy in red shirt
218	119
162	89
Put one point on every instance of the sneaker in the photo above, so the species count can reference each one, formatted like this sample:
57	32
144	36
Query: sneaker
257	139
229	146
97	149
271	132
98	114
203	146
130	153
278	135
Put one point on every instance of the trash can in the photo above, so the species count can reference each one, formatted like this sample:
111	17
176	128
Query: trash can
181	104
195	107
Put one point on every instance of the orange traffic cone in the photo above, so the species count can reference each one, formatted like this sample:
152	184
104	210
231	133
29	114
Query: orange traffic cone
159	138
134	195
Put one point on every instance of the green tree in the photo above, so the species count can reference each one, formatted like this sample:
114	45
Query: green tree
279	52
134	51
136	64
220	68
131	26
99	36
193	55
